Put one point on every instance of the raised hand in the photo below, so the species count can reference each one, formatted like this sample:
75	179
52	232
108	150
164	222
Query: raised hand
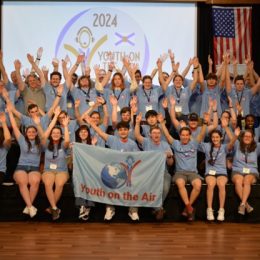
160	118
206	117
113	100
30	58
138	118
224	122
237	132
77	103
172	101
80	58
165	103
2	117
17	65
59	90
210	61
57	111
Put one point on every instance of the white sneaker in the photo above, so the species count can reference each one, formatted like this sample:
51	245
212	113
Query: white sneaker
221	215
133	214
32	211
26	211
84	213
210	214
110	212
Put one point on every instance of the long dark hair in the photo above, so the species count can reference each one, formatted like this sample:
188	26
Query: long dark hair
211	161
247	148
83	127
51	143
37	139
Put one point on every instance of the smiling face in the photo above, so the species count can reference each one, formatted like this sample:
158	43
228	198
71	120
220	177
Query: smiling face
56	134
239	84
185	136
216	139
55	80
123	133
96	118
147	83
247	138
83	134
31	133
34	112
151	120
32	82
250	121
155	135
178	82
117	81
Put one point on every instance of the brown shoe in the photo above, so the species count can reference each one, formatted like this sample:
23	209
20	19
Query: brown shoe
159	214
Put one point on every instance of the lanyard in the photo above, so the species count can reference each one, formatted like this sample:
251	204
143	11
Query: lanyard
55	153
246	155
178	94
148	96
214	160
240	99
118	95
86	93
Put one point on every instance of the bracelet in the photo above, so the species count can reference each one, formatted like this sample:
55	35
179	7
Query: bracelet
110	71
104	103
58	95
215	111
196	68
230	107
38	59
77	64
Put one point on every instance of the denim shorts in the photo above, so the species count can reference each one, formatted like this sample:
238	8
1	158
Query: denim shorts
27	168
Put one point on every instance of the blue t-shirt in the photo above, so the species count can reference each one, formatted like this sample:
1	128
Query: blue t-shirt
55	160
214	94
28	121
218	156
31	157
148	99
185	156
51	93
115	143
100	141
87	97
182	97
243	98
245	160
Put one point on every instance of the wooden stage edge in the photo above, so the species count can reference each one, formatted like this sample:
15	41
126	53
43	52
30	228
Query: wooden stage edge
198	240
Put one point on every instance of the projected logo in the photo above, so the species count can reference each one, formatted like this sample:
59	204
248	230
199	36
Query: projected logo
102	33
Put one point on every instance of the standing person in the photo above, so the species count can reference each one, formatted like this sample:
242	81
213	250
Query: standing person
185	152
55	165
83	136
154	143
27	172
245	172
120	143
216	169
5	144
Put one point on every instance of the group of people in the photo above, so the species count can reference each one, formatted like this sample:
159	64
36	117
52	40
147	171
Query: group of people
215	119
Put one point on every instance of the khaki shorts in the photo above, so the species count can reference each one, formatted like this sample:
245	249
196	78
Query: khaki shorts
186	176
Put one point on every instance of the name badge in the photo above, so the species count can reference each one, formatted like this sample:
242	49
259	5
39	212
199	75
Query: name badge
69	105
148	108
212	172
53	166
91	103
246	170
118	109
178	109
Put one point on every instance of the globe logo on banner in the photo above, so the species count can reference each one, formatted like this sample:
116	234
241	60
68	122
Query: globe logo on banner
115	175
102	35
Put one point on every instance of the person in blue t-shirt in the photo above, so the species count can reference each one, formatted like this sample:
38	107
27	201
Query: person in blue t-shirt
83	136
27	172
5	144
244	170
154	143
216	169
55	164
120	143
185	152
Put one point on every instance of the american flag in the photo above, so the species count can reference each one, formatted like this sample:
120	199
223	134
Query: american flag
232	32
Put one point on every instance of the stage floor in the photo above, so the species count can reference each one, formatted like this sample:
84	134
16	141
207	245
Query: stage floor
198	240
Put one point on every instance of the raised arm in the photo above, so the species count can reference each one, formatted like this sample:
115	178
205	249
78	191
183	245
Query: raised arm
187	69
7	135
196	67
213	109
74	68
200	137
16	130
66	132
52	123
36	69
210	64
174	120
166	133
113	102
134	85
56	100
2	69
232	141
138	136
97	129
17	65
